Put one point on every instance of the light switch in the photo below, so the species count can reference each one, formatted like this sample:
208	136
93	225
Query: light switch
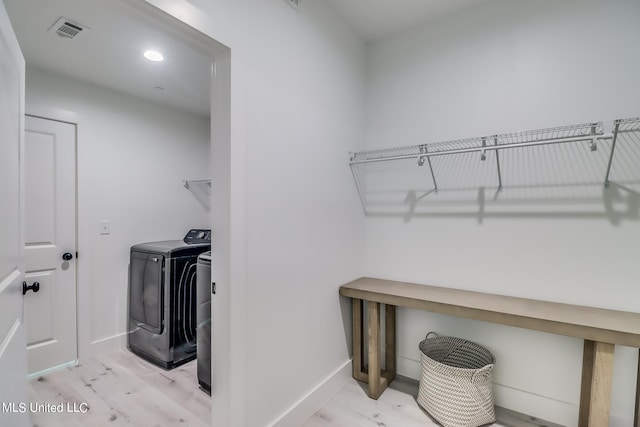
105	227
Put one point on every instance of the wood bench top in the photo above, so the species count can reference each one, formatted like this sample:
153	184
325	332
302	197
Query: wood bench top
596	324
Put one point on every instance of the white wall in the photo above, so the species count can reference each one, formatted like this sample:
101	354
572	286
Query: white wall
132	156
296	228
498	67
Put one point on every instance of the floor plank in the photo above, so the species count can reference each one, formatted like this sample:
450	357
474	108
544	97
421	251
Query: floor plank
396	407
121	390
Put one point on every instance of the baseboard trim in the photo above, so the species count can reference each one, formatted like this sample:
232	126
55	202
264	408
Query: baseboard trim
306	406
108	344
52	369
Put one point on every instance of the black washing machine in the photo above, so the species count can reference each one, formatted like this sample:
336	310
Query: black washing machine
162	298
204	321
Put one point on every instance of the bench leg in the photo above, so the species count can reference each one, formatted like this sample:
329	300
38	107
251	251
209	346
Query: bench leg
390	343
374	350
358	354
636	416
597	375
356	313
377	379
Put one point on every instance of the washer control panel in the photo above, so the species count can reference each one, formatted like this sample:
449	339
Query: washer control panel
197	236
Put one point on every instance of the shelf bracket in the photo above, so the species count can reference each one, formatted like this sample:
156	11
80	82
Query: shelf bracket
359	185
483	154
423	149
188	184
201	190
495	142
613	148
593	146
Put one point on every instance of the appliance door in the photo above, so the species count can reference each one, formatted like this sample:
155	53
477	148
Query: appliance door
204	320
146	285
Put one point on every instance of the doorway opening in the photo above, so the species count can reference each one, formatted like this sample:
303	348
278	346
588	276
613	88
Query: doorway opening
101	307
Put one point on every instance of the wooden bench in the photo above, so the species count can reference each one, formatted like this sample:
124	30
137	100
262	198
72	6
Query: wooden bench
601	329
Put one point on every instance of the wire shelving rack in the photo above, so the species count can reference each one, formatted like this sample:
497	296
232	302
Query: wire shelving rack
592	135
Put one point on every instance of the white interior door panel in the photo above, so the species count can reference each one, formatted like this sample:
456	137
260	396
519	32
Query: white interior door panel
50	198
13	370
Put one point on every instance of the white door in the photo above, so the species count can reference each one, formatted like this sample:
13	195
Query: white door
50	243
13	369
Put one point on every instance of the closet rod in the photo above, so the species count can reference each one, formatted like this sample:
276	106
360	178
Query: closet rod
485	148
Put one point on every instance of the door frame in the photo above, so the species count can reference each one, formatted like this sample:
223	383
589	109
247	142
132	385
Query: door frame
13	345
228	171
229	268
77	230
84	349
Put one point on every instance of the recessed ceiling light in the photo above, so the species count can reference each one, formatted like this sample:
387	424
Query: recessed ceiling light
153	55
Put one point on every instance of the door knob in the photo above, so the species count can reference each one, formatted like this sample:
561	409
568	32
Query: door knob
35	287
67	256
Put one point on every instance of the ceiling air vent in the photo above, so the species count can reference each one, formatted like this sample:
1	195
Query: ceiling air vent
67	28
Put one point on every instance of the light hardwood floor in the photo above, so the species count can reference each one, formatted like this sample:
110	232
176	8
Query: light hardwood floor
396	407
122	389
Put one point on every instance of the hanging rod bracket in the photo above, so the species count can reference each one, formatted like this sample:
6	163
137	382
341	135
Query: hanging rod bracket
607	133
423	150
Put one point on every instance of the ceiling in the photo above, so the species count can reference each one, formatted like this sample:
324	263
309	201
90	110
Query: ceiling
376	19
109	51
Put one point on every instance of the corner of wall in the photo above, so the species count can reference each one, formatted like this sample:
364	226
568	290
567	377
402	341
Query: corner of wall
307	405
108	345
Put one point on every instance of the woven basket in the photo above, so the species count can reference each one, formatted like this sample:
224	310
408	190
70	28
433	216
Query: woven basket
456	381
